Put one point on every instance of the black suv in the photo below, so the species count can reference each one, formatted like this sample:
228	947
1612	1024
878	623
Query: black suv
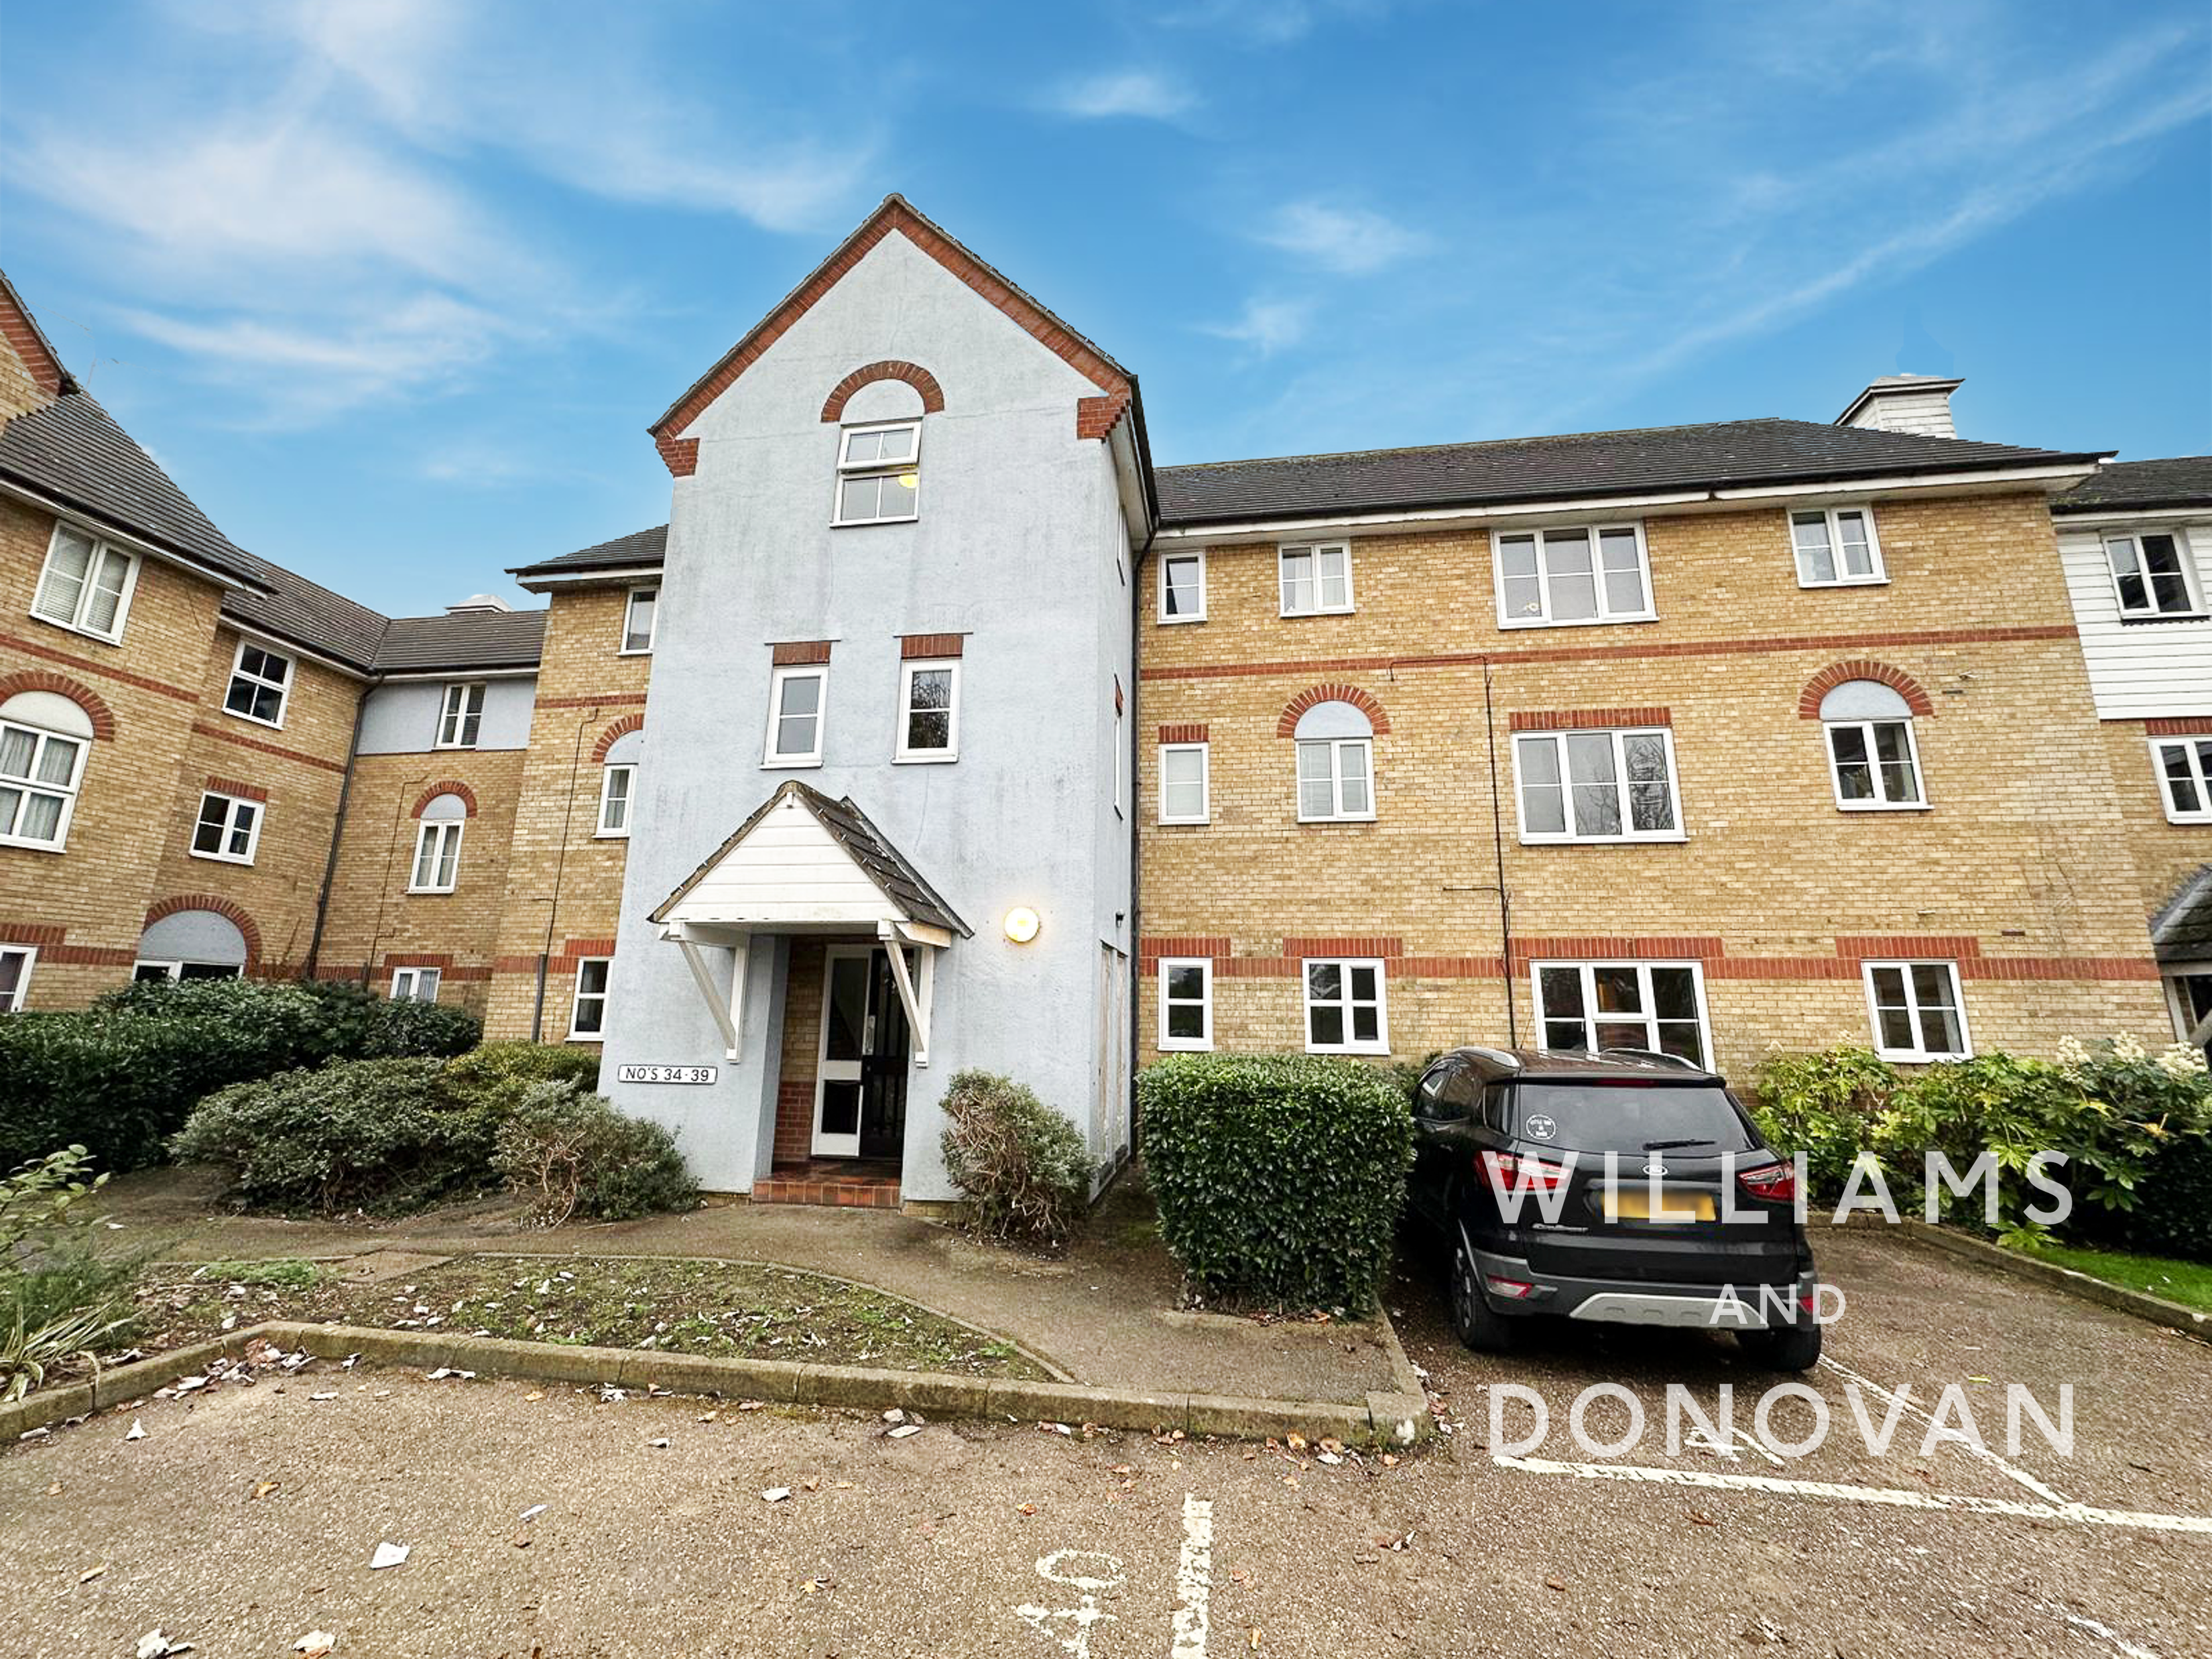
1623	1185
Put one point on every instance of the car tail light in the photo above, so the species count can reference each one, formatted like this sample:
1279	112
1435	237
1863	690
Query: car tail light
1775	1182
1506	1173
1515	1288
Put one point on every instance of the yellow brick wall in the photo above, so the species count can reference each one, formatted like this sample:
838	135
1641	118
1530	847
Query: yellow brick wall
2165	854
2013	860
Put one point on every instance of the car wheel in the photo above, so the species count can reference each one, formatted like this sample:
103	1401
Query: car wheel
1786	1348
1475	1321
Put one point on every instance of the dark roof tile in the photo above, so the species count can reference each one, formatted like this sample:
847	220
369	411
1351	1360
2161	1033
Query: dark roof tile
2178	481
306	614
462	640
641	547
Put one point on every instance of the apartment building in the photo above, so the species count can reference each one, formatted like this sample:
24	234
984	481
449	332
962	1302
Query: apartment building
937	728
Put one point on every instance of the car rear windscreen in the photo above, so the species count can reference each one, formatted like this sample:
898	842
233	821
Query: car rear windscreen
1628	1117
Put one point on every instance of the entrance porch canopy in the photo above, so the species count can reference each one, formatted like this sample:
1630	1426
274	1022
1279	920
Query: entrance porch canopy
805	864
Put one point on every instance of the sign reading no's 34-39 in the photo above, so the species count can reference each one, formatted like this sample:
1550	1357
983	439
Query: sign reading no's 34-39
666	1074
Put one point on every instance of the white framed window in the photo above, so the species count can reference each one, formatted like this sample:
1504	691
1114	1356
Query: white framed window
2184	777
1917	1011
2152	573
2188	998
587	1014
260	680
1336	780
929	710
228	829
437	855
1873	758
1184	783
1835	547
415	984
1597	786
1315	580
1658	1006
1572	575
878	473
40	774
1183	587
1345	1014
86	585
797	697
1186	1003
144	969
16	961
638	616
617	781
460	722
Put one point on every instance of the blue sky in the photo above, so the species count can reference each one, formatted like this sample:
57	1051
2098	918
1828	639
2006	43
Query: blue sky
393	288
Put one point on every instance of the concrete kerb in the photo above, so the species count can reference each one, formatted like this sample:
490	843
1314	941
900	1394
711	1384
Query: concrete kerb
2140	1304
114	1385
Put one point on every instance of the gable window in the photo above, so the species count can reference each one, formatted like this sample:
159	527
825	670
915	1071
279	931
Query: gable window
1917	1011
878	473
638	621
228	829
1182	587
2152	573
39	773
1659	1007
16	961
1315	580
461	723
1579	574
415	984
1186	1002
795	700
929	710
1344	1007
1184	783
1871	749
258	681
2184	777
1835	547
1336	763
437	855
85	586
1597	786
587	1015
616	781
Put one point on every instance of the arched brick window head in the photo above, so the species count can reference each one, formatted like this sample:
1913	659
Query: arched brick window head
614	734
1816	689
1314	695
96	711
466	796
932	395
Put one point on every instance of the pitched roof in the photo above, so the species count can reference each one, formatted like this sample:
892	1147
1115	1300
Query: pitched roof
465	640
1714	455
639	547
72	451
2182	932
21	332
307	614
2178	481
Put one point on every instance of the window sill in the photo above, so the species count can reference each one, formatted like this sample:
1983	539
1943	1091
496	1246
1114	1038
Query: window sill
627	651
1913	1057
34	846
610	834
1351	1049
924	760
221	858
1177	622
2189	821
1846	581
454	748
431	892
1605	841
114	638
1323	610
1885	807
1185	1047
276	725
1576	621
2127	621
587	1036
863	523
813	765
1340	818
1183	823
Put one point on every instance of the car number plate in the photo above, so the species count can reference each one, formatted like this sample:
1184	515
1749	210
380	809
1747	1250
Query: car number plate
1634	1204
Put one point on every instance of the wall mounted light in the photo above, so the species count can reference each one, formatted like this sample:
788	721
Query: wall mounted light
1022	924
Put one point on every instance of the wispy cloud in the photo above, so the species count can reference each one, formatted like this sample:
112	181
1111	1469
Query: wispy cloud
1266	325
1146	94
1355	241
1269	22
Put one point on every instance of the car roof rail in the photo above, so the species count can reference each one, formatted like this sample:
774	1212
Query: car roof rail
1497	1057
1657	1056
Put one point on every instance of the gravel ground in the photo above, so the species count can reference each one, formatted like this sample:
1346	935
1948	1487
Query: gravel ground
935	1543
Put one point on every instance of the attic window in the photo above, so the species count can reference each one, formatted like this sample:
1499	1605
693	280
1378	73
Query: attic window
878	473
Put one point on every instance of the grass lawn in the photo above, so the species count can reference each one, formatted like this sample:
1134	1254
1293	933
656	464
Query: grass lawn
2189	1283
676	1307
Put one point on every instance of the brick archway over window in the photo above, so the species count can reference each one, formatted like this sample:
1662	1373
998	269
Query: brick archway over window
38	679
1838	673
446	787
622	728
932	395
1314	695
248	929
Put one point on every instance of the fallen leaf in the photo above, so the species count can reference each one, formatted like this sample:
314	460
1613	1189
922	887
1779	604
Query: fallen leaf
54	1491
1699	1518
709	1417
659	1445
895	1415
521	1540
815	1484
138	1433
388	1555
91	1573
1555	1584
263	1488
537	1394
155	1645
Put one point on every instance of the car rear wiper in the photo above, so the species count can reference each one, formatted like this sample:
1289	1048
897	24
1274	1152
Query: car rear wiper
1677	1145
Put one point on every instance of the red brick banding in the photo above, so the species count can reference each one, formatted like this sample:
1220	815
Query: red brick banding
2196	725
1587	719
1885	947
622	728
232	786
446	787
38	679
593	699
1193	732
914	645
932	395
223	734
795	652
42	935
1213	945
248	929
1603	947
1314	695
1861	668
32	648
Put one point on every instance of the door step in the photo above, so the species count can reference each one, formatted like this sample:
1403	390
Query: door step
831	1181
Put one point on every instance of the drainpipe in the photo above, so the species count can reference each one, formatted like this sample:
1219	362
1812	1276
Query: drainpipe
1137	563
1497	849
338	830
560	869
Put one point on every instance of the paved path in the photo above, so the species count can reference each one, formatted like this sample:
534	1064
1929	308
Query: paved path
1006	1540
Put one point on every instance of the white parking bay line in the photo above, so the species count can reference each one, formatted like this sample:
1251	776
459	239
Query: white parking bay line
2013	1470
1193	1579
1891	1497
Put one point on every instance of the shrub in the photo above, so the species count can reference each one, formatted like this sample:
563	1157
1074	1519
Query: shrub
1823	1105
1279	1178
569	1152
497	1075
57	1297
373	1135
1022	1169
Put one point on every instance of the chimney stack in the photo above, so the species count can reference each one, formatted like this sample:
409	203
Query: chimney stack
1905	402
479	602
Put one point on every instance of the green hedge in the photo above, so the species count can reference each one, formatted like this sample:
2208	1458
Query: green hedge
1279	1177
120	1078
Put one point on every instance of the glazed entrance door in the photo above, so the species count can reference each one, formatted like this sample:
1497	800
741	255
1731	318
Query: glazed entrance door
860	1090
